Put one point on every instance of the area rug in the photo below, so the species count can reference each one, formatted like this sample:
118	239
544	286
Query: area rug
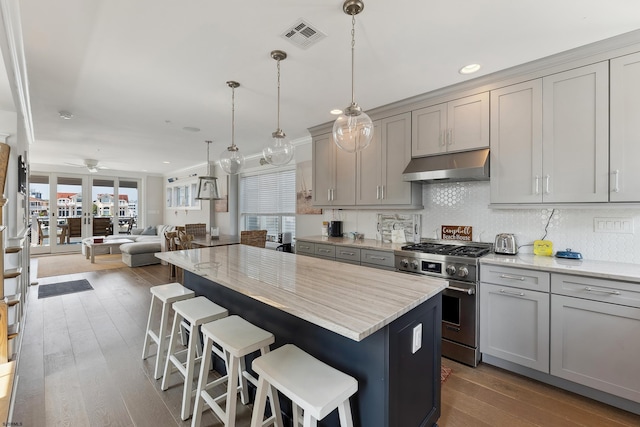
444	373
63	288
58	265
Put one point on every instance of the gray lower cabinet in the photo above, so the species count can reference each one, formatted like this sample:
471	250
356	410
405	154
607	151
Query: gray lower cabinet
377	259
343	253
595	335
348	254
305	248
514	319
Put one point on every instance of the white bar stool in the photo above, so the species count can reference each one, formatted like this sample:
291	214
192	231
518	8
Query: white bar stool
196	312
165	295
237	338
312	385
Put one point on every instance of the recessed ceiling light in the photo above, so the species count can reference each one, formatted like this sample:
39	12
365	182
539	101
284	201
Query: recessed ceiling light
65	115
336	112
469	69
191	129
166	163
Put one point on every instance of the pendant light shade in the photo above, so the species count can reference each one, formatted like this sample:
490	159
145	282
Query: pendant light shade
353	129
208	186
280	151
231	161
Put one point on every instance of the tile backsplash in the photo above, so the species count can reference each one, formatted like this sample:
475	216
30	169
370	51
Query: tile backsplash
467	203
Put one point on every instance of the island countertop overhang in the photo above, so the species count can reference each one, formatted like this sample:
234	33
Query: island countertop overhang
350	300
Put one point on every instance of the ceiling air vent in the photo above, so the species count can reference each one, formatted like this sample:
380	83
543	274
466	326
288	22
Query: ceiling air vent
302	34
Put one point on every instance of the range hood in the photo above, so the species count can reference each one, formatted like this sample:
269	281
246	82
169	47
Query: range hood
463	166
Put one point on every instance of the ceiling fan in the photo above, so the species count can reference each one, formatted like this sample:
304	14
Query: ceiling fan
90	164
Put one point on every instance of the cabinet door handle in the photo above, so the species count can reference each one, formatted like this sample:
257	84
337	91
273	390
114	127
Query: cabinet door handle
442	139
377	192
508	276
602	291
547	178
347	253
515	294
329	194
326	251
451	136
379	258
616	185
537	185
382	192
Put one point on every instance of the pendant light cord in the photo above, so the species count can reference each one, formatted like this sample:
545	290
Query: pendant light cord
208	162
278	130
353	49
233	117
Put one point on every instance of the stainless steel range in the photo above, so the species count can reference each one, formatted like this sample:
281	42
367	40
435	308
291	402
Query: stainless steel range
457	262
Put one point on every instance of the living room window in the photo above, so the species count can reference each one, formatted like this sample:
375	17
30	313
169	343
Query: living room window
268	202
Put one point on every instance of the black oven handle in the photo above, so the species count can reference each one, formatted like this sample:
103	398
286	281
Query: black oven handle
469	291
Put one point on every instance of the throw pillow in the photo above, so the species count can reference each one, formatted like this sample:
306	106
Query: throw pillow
149	231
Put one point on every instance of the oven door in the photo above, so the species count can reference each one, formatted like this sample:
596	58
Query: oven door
459	316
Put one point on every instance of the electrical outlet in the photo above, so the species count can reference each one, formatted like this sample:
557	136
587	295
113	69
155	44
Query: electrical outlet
613	225
417	338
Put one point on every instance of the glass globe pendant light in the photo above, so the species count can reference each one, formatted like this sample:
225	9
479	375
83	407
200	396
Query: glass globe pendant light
231	161
280	152
208	186
353	129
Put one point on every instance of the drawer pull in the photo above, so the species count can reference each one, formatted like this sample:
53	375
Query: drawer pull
326	251
508	276
602	291
304	247
379	258
347	253
515	294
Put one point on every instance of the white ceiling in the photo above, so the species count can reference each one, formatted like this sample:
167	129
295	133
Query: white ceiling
135	73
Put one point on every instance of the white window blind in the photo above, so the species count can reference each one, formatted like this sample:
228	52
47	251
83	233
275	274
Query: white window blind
268	202
268	194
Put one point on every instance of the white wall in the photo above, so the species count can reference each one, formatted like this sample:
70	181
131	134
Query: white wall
466	203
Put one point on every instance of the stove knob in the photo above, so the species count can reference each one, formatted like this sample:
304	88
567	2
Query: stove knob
404	263
415	264
463	272
451	270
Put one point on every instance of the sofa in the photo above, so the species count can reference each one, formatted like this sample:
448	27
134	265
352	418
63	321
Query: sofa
146	242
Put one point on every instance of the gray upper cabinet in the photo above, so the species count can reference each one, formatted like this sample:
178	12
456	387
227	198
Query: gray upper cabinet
625	129
516	143
575	135
334	173
380	166
458	125
549	138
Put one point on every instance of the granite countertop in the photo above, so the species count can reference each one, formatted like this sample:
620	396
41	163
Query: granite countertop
343	241
350	300
600	269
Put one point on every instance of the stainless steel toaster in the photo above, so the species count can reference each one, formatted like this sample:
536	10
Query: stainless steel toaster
505	244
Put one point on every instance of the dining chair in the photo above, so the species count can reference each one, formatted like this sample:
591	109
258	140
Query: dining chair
196	230
256	238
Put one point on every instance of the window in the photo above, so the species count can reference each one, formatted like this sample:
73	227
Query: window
268	202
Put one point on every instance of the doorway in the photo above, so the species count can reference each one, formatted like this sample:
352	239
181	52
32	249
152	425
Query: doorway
65	209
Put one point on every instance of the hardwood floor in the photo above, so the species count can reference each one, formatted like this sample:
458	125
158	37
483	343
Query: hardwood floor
80	365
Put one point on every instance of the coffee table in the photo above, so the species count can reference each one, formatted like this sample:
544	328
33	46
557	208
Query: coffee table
111	243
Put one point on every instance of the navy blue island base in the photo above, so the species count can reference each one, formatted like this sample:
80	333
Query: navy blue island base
396	388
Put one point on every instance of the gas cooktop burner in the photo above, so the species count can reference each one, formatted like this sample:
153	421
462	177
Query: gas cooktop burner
464	250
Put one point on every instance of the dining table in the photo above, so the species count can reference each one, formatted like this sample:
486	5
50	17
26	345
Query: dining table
208	241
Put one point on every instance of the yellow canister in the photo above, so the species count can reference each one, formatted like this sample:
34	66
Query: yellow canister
543	247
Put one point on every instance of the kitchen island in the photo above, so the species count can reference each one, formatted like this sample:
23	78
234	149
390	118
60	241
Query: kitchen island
358	320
